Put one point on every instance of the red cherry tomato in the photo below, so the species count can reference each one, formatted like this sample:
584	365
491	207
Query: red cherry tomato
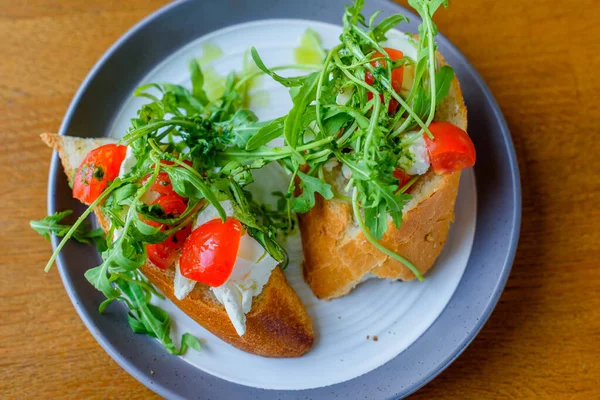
163	183
172	204
181	235
397	75
164	254
99	167
451	149
403	177
209	253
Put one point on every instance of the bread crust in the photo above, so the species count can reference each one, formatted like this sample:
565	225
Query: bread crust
337	257
276	326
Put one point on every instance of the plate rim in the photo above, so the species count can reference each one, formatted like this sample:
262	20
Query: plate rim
143	376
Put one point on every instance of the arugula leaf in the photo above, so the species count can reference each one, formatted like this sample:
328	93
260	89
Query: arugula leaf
190	185
288	82
197	82
443	81
353	12
421	103
51	225
301	98
98	278
149	319
334	124
310	186
379	31
376	219
265	134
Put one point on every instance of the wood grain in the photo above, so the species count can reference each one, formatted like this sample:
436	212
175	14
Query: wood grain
541	61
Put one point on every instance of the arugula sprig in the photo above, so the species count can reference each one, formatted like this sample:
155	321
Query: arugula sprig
337	117
52	225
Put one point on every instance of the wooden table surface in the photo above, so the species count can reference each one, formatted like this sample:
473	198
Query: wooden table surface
542	62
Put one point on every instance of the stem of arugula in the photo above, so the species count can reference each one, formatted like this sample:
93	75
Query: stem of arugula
372	125
431	73
282	152
322	76
374	242
137	133
308	67
117	182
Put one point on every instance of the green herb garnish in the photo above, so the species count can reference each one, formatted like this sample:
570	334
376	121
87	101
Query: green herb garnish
357	132
53	225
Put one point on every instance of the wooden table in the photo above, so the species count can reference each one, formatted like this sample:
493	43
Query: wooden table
542	62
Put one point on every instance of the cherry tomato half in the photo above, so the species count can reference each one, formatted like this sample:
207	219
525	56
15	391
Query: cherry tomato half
172	204
451	149
99	167
163	183
209	253
164	254
397	75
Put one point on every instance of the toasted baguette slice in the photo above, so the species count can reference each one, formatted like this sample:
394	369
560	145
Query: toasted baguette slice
276	326
338	256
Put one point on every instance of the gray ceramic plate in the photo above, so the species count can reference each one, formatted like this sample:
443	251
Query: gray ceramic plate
103	94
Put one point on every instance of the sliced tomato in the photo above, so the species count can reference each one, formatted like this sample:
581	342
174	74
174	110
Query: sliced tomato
99	167
209	253
181	235
451	149
397	75
164	254
403	177
163	183
173	205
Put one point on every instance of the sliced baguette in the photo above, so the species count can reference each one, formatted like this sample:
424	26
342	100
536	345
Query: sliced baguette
276	326
337	256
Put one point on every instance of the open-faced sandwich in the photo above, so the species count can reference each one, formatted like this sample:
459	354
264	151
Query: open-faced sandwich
373	145
177	217
379	140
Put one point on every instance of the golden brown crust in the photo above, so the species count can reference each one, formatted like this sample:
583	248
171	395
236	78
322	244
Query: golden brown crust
338	257
276	326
